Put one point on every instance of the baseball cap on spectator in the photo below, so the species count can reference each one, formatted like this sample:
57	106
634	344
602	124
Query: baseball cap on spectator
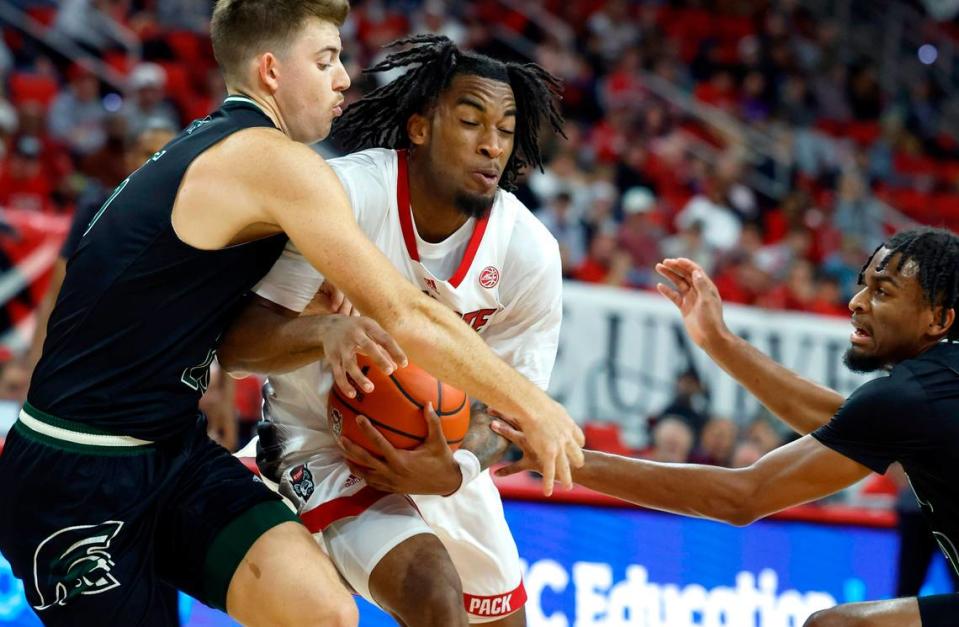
638	200
146	75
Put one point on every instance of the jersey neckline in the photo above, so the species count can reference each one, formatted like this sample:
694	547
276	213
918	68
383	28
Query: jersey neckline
406	223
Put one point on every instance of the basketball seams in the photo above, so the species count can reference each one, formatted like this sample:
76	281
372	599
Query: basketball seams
405	393
377	423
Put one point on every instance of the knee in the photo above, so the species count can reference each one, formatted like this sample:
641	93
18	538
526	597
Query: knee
433	583
326	613
827	618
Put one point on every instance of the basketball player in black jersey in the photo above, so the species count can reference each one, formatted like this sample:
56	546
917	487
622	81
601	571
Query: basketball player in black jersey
904	321
109	487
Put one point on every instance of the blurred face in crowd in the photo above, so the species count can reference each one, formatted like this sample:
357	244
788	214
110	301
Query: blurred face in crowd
468	140
147	144
891	317
308	80
672	441
13	382
719	438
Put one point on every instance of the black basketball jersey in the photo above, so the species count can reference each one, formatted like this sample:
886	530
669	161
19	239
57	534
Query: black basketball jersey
910	417
134	330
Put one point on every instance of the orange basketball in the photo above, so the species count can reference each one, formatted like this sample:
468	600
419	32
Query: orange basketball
395	408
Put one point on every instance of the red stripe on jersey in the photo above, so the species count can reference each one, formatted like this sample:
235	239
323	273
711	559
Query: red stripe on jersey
325	514
406	222
470	253
497	605
403	203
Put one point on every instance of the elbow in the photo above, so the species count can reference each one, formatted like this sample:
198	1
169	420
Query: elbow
735	503
231	359
410	324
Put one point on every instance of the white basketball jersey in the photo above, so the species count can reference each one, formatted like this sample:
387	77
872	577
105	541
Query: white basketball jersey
500	273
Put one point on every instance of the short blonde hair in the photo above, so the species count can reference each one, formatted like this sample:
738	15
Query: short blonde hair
242	29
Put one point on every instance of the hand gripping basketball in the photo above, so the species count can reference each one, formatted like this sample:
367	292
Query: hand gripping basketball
426	469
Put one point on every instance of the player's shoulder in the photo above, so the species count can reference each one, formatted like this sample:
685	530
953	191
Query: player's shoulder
530	240
899	390
372	161
933	371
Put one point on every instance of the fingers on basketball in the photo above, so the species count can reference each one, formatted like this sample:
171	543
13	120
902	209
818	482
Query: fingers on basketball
397	409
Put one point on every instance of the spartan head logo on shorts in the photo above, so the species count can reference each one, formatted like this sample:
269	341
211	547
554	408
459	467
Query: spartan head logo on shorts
73	562
489	277
302	481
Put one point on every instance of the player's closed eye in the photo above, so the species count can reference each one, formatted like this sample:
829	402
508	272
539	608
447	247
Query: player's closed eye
469	123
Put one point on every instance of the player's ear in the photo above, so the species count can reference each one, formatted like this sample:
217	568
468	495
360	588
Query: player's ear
267	70
941	324
418	129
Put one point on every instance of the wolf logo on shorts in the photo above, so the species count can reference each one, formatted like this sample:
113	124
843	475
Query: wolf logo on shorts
81	563
302	481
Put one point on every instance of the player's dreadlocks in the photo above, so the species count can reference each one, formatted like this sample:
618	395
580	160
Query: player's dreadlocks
379	119
936	253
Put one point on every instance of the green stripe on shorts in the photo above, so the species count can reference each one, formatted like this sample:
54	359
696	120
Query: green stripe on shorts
232	544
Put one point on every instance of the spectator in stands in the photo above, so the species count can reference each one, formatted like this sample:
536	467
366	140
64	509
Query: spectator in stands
797	293
23	183
8	123
845	264
716	442
672	441
559	218
639	234
721	227
600	213
89	24
77	115
857	210
612	29
829	89
740	280
107	167
763	434
828	299
605	263
689	402
188	15
146	103
436	17
745	454
13	381
777	259
6	60
691	244
865	95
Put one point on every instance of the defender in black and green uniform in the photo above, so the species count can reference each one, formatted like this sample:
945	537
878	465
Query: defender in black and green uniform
110	489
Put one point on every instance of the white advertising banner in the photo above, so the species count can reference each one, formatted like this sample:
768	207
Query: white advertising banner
621	352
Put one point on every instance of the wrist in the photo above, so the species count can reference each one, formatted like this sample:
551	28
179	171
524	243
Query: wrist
469	467
719	339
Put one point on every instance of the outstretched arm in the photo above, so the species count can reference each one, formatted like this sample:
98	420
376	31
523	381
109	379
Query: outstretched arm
802	404
796	473
267	338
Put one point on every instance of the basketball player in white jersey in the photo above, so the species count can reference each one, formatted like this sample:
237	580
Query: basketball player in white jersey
463	123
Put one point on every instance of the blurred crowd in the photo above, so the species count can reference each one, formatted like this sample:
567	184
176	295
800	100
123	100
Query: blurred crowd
639	176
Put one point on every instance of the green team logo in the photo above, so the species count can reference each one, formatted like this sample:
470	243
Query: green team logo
75	561
198	377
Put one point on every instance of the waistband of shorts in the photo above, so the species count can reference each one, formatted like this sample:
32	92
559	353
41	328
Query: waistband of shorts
76	436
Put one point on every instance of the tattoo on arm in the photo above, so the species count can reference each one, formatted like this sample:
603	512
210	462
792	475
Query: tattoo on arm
480	440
